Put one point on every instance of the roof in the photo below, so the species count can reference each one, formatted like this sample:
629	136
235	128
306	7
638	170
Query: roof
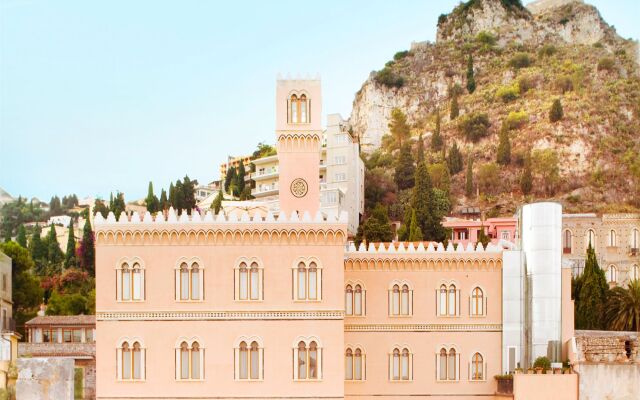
63	320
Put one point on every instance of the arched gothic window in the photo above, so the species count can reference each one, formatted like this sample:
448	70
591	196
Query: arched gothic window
477	367
448	299
189	361
189	282
400	300
591	239
635	241
400	364
130	282
477	302
307	284
250	361
354	365
613	238
635	273
249	281
612	274
448	364
130	361
294	109
308	359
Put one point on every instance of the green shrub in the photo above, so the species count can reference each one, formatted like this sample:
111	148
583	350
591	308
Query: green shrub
520	60
388	78
542	362
547	50
516	119
564	83
556	112
606	64
401	54
527	82
508	93
598	45
474	126
487	38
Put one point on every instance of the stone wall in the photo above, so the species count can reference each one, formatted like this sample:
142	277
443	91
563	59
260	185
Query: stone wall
56	349
609	381
45	378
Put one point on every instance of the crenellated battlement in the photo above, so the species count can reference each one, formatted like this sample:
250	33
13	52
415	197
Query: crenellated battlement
399	248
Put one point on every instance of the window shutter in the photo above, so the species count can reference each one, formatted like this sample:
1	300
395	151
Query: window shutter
288	110
118	284
309	111
484	371
364	302
484	308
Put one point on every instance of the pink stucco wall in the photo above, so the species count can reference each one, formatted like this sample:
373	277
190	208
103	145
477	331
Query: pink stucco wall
535	387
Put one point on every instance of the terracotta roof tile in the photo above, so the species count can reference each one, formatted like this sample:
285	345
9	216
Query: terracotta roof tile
63	320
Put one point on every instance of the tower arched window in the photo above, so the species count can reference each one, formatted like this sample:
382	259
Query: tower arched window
400	300
477	302
613	238
293	102
307	284
448	300
591	239
130	282
635	241
477	367
250	364
303	109
354	365
448	364
612	274
308	361
189	281
130	360
635	273
400	364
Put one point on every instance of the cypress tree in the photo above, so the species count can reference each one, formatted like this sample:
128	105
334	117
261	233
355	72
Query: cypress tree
436	138
151	201
172	196
482	237
454	160
455	109
592	295
38	249
216	204
405	169
415	233
471	81
21	239
556	113
377	227
189	194
240	178
403	232
54	253
179	197
70	255
468	187
164	203
526	180
229	178
420	152
88	249
504	146
117	204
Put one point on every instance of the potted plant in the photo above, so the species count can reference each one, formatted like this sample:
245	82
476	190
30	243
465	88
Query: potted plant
530	370
541	364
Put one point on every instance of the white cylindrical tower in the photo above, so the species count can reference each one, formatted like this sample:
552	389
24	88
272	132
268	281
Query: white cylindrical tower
541	227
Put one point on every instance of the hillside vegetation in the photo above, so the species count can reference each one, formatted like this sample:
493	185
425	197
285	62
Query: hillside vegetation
519	94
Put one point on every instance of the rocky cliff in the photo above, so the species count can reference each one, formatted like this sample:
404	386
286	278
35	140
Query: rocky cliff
552	49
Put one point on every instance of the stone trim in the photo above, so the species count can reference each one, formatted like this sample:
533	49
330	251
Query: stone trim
423	328
217	315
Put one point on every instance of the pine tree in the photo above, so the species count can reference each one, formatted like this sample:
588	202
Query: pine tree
471	81
556	113
189	194
88	249
415	233
504	146
455	159
592	296
21	239
54	253
436	138
468	187
405	169
70	255
455	109
400	130
151	201
420	151
164	203
526	180
216	204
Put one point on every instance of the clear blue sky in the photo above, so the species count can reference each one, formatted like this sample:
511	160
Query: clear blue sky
98	97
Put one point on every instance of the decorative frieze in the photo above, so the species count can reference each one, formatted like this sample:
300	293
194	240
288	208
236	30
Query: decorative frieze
423	328
217	315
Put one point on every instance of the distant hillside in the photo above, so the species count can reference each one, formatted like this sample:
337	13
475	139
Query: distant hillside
523	59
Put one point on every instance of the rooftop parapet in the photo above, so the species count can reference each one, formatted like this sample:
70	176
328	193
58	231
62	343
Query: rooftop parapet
209	217
399	248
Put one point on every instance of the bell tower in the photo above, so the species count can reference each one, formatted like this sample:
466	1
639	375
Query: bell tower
299	135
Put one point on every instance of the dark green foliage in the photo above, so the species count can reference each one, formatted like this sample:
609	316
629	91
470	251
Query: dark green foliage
468	187
380	188
454	159
38	249
488	177
424	205
401	54
229	178
117	205
405	169
526	180
474	126
246	194
100	207
164	202
504	146
263	150
508	93
415	233
542	362
399	129
55	206
486	38
403	232
520	60
216	204
420	150
172	195
70	255
547	50
483	237
67	304
592	297
436	138
87	250
556	113
179	203
152	202
21	238
388	78
189	194
54	253
454	111
27	293
442	18
377	227
471	81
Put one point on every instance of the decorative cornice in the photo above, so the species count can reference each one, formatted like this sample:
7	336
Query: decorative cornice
399	248
423	328
423	262
217	315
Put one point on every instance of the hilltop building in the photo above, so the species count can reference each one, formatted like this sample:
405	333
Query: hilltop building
270	306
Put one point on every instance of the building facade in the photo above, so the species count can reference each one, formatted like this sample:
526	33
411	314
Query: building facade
281	305
8	335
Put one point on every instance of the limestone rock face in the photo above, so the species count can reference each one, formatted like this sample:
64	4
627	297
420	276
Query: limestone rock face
45	378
